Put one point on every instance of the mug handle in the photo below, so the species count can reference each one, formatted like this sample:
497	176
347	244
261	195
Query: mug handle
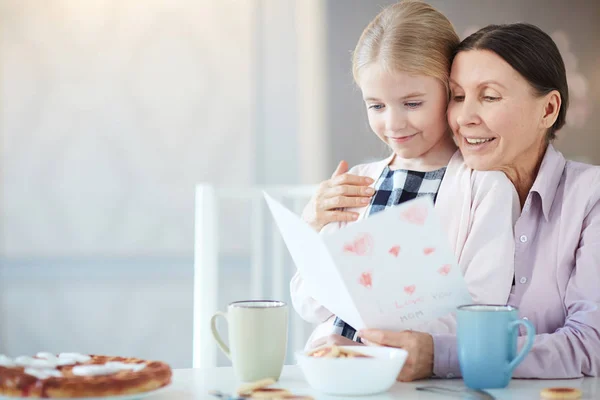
215	333
528	344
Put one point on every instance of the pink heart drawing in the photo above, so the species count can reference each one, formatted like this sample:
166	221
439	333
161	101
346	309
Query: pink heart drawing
409	290
416	214
366	280
361	246
428	250
394	251
445	269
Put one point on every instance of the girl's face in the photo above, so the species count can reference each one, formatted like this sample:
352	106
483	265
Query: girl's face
407	112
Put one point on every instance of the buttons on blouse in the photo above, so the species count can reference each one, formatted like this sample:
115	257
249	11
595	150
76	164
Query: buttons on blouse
523	280
523	239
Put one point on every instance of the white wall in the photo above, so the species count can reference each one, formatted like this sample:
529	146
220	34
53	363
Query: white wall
111	111
130	307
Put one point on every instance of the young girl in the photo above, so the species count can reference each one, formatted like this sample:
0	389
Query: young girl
401	64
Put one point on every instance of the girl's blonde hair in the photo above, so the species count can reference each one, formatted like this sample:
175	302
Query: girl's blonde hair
410	36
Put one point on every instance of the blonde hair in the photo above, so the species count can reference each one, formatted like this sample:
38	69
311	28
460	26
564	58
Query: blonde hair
410	36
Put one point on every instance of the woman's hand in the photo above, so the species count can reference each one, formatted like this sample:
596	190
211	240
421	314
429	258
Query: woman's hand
341	191
419	345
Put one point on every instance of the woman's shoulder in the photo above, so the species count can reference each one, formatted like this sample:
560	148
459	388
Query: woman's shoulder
582	181
581	173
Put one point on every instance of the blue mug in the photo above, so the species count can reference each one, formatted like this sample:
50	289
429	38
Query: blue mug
487	344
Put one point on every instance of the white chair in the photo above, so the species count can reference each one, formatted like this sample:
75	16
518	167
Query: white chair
261	266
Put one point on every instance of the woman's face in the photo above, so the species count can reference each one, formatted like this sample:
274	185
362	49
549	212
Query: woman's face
496	118
407	112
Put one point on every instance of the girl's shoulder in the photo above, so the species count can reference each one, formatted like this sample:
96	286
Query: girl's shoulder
479	186
371	169
478	180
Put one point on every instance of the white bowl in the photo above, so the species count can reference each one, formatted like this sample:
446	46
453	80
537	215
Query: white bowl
353	376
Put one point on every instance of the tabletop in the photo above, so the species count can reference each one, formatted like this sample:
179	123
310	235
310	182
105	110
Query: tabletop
196	383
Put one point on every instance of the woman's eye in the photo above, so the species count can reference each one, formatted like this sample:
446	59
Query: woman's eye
491	98
375	106
458	98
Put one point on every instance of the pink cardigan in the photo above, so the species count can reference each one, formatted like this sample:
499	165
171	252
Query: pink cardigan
478	210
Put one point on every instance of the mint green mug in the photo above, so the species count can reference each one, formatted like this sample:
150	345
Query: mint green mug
258	333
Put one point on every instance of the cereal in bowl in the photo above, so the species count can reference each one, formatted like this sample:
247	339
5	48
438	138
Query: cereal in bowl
333	351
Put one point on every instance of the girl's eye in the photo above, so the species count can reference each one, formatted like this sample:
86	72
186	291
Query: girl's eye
458	98
413	104
376	107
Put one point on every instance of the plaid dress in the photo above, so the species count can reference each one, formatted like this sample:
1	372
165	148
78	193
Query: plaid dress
392	188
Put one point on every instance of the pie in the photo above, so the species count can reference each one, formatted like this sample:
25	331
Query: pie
73	375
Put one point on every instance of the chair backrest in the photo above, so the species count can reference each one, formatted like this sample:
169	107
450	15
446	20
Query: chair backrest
239	254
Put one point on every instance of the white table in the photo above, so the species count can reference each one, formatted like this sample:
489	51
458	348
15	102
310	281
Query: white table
195	384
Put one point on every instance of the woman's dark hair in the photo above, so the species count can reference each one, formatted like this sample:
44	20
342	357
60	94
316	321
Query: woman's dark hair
532	53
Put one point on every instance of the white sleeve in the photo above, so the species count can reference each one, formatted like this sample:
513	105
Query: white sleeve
324	329
487	258
307	307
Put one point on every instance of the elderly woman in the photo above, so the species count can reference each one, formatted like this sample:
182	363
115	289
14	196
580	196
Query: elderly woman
509	98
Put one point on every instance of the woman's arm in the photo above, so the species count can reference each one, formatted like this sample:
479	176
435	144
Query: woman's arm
574	349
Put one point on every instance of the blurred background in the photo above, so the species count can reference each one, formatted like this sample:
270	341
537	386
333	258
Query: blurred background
111	112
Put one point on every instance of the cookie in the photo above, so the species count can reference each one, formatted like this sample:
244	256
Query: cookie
249	388
270	393
561	393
